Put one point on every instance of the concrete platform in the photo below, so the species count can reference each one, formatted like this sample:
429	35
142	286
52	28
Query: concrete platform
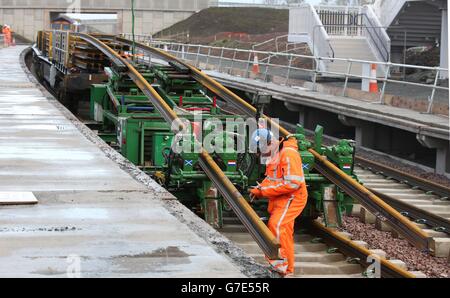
91	214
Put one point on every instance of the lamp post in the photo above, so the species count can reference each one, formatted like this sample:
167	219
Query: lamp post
133	49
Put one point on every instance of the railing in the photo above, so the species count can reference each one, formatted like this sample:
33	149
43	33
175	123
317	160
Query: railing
274	40
146	39
289	47
142	38
291	66
306	18
376	34
2	41
250	4
356	21
346	20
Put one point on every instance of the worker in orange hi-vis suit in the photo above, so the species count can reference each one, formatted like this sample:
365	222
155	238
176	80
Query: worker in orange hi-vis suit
6	31
285	188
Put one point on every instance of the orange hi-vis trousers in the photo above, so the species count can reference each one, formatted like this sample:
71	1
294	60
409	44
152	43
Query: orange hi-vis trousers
285	188
281	223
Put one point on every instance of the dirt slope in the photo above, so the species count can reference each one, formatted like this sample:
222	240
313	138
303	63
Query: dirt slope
243	19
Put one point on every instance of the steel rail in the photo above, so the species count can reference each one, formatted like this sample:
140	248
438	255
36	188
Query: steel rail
256	227
209	83
372	202
369	200
364	256
422	216
426	185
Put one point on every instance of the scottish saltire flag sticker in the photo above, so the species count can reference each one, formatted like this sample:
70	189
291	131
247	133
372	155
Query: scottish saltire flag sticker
188	163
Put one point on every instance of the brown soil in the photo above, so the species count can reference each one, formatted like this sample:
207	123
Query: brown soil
212	21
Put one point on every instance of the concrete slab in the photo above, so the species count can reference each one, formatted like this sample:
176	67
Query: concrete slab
378	252
17	198
382	225
110	234
399	263
440	247
365	216
92	215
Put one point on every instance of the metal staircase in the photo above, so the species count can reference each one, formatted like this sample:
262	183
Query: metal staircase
340	32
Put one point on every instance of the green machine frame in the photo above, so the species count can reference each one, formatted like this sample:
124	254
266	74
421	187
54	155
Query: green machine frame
130	123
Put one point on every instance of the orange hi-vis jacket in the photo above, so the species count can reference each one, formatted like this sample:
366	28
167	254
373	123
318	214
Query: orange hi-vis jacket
285	188
7	35
284	176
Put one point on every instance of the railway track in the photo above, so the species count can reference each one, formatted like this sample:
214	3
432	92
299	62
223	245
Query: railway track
323	253
256	238
423	202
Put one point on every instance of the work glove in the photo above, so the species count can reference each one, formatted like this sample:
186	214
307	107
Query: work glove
255	193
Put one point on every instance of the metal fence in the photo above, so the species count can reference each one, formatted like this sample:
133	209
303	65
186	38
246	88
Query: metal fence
280	5
346	20
293	66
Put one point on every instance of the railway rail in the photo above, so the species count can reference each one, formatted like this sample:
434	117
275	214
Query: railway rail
422	201
415	181
409	230
425	194
367	198
260	233
324	252
247	216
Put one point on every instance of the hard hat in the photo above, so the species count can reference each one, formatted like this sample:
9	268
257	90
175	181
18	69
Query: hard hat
260	138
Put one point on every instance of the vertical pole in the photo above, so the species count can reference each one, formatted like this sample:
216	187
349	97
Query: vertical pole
187	51
431	100
349	69
248	64
386	77
315	73
267	67
232	61
207	58
444	44
404	55
289	70
220	60
197	62
133	50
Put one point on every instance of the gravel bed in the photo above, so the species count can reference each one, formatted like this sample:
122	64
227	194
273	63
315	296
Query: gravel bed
410	169
400	249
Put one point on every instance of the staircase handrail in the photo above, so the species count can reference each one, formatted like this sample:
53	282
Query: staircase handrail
310	24
376	34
